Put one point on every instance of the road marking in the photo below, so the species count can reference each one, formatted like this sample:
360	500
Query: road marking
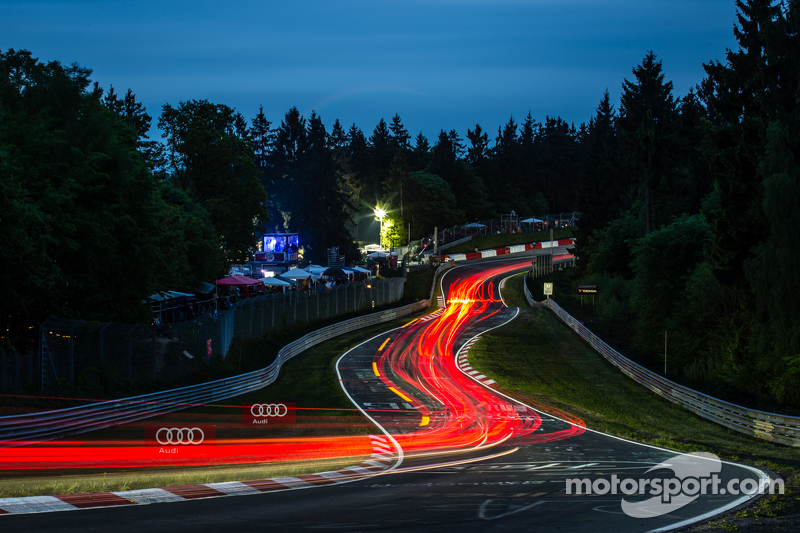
543	466
375	369
482	510
403	396
384	344
587	465
425	420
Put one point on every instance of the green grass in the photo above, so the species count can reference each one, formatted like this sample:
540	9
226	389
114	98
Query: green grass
513	293
540	358
117	481
418	285
507	239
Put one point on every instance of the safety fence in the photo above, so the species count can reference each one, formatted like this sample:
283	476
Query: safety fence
17	370
511	223
65	422
93	352
768	426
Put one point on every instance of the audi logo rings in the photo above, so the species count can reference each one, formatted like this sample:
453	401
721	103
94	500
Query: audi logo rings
174	436
269	409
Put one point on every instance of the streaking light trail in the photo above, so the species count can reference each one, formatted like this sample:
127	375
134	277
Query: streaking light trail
457	413
416	363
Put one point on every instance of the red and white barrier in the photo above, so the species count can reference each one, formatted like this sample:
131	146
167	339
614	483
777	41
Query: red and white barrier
518	248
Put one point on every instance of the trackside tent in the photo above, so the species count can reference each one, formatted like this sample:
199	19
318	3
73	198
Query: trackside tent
240	281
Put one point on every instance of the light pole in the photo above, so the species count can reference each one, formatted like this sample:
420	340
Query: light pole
380	213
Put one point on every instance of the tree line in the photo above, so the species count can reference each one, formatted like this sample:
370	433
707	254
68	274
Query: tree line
689	203
706	243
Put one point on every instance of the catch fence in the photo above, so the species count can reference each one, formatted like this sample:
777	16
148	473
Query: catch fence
94	352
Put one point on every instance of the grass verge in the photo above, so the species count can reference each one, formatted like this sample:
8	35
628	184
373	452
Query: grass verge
512	291
132	480
538	358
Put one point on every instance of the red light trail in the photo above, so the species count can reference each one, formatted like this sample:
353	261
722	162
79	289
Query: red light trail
457	412
467	415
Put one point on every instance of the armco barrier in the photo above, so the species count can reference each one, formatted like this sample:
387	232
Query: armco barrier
65	422
769	426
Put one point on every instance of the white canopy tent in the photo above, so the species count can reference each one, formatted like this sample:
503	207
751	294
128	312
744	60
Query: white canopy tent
276	282
316	270
295	273
474	225
532	221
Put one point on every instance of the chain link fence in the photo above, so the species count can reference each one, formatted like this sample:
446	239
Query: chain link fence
95	352
17	370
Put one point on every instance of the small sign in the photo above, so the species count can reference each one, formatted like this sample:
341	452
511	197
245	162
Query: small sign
272	414
548	289
180	435
587	289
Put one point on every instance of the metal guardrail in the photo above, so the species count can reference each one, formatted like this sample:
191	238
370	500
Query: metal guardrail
768	426
528	295
75	420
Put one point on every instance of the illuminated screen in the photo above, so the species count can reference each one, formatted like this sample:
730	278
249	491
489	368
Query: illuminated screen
281	243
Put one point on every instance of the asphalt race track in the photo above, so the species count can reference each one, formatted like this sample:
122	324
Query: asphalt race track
463	456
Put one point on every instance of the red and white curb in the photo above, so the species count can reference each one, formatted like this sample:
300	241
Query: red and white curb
432	316
463	364
510	250
383	456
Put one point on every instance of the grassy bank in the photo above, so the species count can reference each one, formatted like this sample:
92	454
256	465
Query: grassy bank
145	479
539	359
512	292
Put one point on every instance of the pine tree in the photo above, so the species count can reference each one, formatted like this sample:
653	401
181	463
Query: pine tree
262	137
647	126
399	133
421	153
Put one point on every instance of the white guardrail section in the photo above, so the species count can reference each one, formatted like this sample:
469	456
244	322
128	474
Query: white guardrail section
768	426
59	423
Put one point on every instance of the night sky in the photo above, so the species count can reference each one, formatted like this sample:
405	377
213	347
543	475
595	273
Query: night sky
439	64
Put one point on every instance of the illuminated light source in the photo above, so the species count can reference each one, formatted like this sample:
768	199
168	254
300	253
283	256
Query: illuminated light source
381	214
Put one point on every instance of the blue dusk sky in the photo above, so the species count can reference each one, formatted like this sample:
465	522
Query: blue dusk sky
439	64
